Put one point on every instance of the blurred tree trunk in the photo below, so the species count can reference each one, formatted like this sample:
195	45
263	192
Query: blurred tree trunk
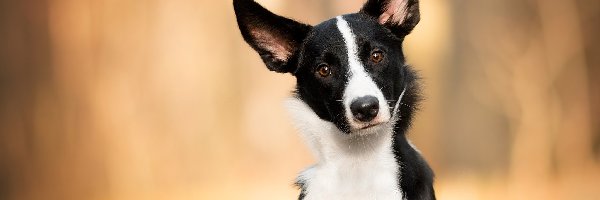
25	66
589	13
46	143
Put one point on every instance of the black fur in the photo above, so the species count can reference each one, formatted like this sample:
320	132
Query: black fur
416	178
309	47
253	17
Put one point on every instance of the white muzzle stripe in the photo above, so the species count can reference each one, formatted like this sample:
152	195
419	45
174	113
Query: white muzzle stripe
360	83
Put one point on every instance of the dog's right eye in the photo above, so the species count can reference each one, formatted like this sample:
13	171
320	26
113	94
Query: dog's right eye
324	70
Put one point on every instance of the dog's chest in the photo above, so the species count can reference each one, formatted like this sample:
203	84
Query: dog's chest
375	178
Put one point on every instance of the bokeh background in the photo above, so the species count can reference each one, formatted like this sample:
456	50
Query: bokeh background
162	99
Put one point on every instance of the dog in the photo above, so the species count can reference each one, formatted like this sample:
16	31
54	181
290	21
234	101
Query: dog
354	99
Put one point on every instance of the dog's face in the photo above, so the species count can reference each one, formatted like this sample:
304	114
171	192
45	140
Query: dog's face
350	69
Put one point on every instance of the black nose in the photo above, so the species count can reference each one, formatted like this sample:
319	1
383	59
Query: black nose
365	108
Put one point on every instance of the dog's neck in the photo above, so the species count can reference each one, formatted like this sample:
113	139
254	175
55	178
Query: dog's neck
349	165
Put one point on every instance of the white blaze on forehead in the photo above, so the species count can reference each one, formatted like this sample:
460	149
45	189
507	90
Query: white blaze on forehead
350	41
360	83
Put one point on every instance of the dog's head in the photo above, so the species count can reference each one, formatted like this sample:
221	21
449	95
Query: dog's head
350	70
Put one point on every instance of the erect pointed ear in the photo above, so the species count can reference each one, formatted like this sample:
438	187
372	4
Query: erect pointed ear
275	38
400	16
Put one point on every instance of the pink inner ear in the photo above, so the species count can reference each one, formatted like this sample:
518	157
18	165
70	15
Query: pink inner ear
277	46
395	12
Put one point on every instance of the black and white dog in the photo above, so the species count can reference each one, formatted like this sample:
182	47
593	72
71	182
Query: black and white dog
354	99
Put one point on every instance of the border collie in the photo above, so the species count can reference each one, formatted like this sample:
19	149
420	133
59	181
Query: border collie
354	100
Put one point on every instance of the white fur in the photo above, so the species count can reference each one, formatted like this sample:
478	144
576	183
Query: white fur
354	166
360	83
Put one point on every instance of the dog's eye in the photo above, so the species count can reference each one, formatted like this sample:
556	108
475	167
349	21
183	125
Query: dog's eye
324	70
377	57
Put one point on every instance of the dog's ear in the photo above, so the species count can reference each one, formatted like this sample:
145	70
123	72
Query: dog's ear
276	38
400	16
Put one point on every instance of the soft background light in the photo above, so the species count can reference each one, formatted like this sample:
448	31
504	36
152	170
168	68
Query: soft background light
162	99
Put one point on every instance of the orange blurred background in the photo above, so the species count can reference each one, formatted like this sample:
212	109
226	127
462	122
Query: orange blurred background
162	99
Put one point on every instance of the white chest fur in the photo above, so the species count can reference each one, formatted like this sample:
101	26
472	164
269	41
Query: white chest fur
349	167
353	178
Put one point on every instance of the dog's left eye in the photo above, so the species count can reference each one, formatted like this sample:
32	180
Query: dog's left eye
376	56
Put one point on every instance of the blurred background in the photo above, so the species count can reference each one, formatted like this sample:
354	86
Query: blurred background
162	99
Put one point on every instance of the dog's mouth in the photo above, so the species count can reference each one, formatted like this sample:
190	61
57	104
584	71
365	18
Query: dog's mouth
368	129
370	126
